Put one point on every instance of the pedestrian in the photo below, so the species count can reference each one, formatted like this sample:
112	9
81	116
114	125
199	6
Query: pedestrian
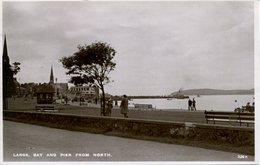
124	106
109	106
25	98
194	104
66	100
116	103
189	105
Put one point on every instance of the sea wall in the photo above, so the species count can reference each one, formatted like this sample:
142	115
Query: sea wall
166	131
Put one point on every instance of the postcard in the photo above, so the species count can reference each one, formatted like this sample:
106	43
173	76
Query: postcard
152	82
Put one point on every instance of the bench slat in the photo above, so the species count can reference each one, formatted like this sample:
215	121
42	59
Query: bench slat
231	117
217	116
225	120
46	108
228	113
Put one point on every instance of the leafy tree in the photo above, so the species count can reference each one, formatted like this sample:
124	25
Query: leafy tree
91	64
16	67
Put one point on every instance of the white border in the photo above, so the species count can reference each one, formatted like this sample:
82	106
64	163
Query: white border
257	98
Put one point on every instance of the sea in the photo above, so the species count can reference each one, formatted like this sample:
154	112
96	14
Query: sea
203	102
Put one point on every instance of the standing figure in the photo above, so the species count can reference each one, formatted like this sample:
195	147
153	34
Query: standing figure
194	104
189	105
109	106
66	100
116	103
124	106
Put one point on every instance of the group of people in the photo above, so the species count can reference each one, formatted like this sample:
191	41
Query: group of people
123	107
192	105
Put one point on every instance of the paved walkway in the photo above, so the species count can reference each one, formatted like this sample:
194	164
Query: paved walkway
25	142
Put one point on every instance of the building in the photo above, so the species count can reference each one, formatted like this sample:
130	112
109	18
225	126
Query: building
61	89
45	94
85	91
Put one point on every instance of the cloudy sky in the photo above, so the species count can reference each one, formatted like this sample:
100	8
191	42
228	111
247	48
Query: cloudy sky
161	46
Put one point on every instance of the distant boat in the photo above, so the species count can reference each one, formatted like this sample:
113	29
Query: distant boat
179	95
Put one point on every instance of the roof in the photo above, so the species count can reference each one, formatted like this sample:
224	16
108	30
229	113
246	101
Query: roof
45	88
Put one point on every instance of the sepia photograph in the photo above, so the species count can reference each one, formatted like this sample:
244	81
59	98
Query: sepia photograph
129	81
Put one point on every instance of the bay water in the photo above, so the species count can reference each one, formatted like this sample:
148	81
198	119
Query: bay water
203	102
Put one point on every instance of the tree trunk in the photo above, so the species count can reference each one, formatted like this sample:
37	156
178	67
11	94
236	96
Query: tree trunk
5	103
103	102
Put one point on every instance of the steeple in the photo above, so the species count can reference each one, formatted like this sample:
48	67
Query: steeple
5	53
8	79
51	77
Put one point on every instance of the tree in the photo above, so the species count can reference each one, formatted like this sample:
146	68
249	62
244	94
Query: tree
16	67
91	64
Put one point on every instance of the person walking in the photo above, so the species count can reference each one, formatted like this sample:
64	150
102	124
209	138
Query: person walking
189	105
109	106
124	106
194	104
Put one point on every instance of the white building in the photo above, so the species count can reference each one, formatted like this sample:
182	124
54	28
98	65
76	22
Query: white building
89	94
85	90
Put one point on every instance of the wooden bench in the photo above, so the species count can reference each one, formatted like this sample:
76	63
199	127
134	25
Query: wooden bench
46	108
231	117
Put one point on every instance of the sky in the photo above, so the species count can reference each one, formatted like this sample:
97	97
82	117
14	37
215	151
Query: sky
161	46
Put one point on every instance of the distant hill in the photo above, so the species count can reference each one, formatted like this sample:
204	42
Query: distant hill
214	92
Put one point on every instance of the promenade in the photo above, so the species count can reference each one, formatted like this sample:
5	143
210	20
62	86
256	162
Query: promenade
25	142
170	115
196	117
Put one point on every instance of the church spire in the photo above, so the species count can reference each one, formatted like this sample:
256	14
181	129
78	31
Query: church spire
51	77
5	53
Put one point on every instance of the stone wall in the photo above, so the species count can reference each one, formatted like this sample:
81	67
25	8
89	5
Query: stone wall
180	132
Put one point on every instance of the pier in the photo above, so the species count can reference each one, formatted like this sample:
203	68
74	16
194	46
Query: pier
153	97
